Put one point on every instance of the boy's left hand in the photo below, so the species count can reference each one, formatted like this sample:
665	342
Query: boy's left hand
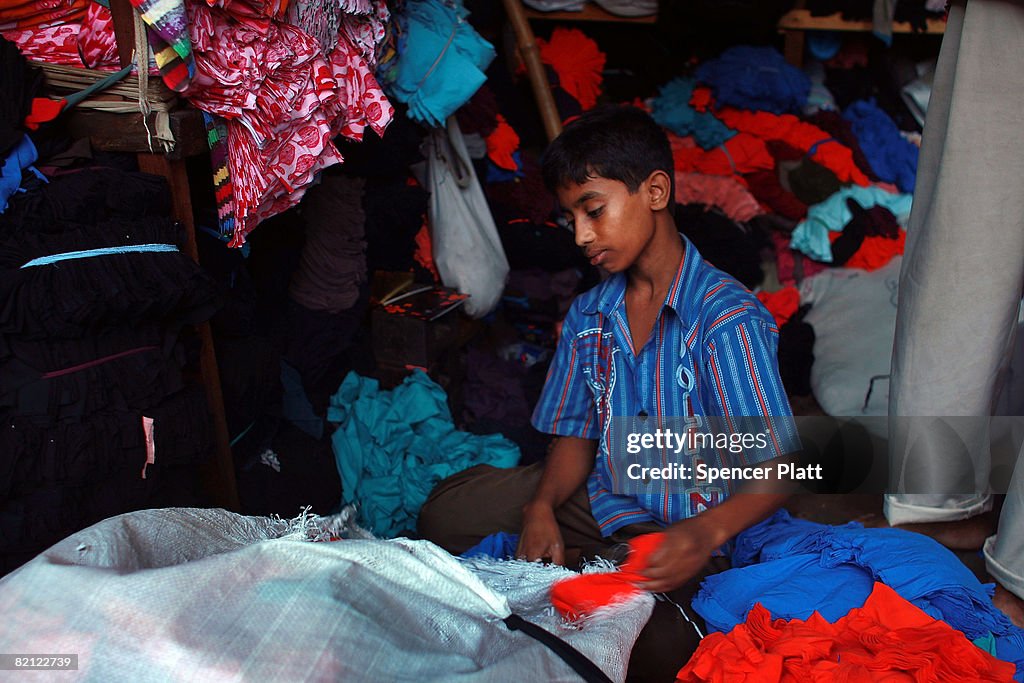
686	549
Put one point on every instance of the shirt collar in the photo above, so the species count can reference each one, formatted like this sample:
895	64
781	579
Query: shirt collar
613	293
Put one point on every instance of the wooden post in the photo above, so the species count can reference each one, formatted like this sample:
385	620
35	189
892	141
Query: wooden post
794	47
121	11
218	475
527	44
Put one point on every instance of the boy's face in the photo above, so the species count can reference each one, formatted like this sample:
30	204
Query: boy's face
611	225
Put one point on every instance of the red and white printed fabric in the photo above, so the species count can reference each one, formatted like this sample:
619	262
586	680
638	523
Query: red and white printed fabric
284	101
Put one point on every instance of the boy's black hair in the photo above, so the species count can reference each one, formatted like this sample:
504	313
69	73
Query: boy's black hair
611	141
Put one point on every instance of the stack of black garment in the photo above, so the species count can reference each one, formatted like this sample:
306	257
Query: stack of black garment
100	411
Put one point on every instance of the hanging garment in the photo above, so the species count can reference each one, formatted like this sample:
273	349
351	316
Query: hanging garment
33	14
19	83
392	447
167	27
332	267
441	60
755	78
887	639
284	100
75	453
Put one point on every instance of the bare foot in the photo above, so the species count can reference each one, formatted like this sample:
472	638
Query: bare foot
963	534
1010	605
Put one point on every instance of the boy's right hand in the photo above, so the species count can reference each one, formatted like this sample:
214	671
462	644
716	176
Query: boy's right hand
540	538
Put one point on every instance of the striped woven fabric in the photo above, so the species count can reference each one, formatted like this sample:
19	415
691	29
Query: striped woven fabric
217	138
168	36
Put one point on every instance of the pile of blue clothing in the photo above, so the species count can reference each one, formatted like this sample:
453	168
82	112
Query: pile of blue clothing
794	567
756	78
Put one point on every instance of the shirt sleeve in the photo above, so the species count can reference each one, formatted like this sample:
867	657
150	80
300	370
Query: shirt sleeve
566	405
744	388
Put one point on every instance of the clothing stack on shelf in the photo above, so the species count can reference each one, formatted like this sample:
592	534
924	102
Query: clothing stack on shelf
99	411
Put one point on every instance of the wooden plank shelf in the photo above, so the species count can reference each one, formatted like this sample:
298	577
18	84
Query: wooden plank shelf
801	20
589	12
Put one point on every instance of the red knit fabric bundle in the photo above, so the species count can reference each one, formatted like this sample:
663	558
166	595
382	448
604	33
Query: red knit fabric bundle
582	595
828	152
887	640
781	304
578	63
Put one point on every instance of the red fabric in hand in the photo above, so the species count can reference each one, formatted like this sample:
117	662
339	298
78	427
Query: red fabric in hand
581	595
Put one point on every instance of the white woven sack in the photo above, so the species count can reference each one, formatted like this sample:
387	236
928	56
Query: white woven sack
207	595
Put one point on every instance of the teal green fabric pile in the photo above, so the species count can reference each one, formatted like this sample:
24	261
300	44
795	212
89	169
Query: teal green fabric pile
392	447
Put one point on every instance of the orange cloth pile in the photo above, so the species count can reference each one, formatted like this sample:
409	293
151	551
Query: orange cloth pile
887	640
582	595
501	143
742	153
875	251
781	304
577	62
787	128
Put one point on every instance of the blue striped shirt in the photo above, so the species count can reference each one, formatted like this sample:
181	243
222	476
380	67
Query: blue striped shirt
712	352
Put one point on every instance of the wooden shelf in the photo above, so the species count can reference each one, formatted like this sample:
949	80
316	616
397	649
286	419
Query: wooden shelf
801	20
588	13
795	23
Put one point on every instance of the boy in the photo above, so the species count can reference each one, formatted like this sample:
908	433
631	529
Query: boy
666	336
